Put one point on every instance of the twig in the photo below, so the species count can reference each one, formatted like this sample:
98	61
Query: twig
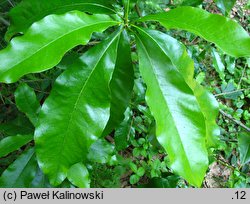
243	73
234	120
5	22
10	2
229	166
231	92
140	15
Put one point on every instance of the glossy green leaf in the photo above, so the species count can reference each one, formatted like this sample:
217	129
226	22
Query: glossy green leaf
225	5
76	112
244	147
21	172
180	125
101	151
210	109
79	176
12	143
29	11
121	85
180	59
225	33
48	47
218	64
27	102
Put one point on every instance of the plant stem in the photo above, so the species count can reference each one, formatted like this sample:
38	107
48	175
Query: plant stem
230	167
5	22
140	15
234	120
127	12
242	75
231	92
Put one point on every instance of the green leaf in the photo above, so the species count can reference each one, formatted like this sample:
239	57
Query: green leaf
48	47
76	112
180	59
218	64
29	11
12	143
121	85
225	33
225	5
133	167
21	172
168	182
210	109
27	102
244	147
20	125
79	176
140	172
180	125
134	179
191	2
100	151
123	132
40	180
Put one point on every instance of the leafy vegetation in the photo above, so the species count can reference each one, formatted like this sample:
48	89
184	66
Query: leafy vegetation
124	93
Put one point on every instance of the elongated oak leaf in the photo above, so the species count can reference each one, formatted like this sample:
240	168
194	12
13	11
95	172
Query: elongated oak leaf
182	62
225	33
180	124
21	172
12	143
121	85
76	112
27	102
29	11
46	41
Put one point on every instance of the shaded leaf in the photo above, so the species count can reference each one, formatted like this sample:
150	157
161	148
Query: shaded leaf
218	64
121	85
48	47
40	180
225	5
100	151
244	147
191	2
20	125
12	143
29	11
168	182
76	112
21	172
180	125
27	102
225	33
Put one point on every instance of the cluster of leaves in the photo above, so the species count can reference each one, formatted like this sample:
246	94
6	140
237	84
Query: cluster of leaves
73	107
